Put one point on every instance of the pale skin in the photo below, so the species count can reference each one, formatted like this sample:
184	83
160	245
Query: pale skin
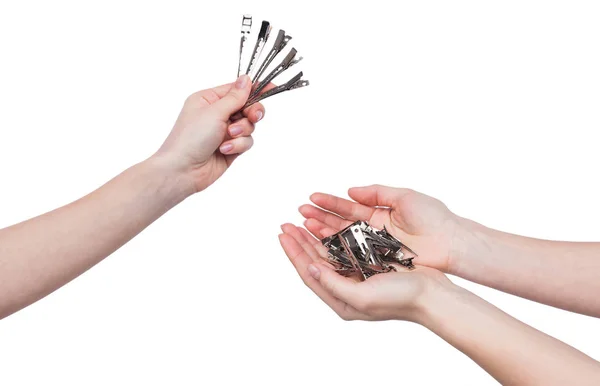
560	274
44	253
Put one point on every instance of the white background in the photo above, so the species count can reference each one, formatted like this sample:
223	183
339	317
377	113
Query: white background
491	107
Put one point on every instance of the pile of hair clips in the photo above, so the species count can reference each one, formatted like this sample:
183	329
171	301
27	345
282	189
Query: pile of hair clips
256	72
362	251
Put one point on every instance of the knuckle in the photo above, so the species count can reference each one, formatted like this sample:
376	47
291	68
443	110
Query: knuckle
222	126
197	97
191	99
329	286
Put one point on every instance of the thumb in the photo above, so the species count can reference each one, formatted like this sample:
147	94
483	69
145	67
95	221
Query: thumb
377	195
337	285
235	99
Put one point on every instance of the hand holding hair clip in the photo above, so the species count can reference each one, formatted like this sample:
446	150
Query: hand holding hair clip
294	83
257	94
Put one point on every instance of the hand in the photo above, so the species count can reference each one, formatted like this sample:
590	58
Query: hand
421	222
205	141
400	295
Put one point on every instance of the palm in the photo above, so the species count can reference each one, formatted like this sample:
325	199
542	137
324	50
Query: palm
419	221
381	297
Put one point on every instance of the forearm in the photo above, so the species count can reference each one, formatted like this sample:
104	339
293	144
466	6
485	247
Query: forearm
42	254
561	274
509	350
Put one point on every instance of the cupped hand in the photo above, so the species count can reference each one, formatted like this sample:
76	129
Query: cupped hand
421	222
402	295
205	139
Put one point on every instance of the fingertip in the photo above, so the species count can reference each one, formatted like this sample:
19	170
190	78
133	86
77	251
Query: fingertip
255	113
287	227
358	188
235	131
258	115
303	209
314	271
315	197
284	240
281	238
309	221
237	145
242	82
226	148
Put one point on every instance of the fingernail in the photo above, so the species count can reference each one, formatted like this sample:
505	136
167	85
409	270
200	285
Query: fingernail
259	115
241	82
235	130
314	272
226	148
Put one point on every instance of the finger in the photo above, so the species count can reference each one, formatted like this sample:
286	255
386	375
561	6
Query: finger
309	237
222	90
235	98
318	229
301	261
236	145
309	248
241	128
330	219
214	94
318	245
265	89
347	209
255	113
377	195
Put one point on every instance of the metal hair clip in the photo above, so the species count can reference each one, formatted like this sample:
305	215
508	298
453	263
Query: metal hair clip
280	42
286	63
263	36
246	28
257	94
294	83
361	250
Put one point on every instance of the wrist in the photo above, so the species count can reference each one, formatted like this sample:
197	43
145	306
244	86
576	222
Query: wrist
436	286
173	181
438	298
467	235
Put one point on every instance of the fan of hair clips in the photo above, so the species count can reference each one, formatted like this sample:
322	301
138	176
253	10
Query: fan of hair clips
363	251
259	82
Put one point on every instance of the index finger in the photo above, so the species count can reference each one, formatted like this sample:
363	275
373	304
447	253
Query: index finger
256	111
347	209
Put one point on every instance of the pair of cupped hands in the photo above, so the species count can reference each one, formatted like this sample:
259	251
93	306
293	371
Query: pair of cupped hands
211	132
